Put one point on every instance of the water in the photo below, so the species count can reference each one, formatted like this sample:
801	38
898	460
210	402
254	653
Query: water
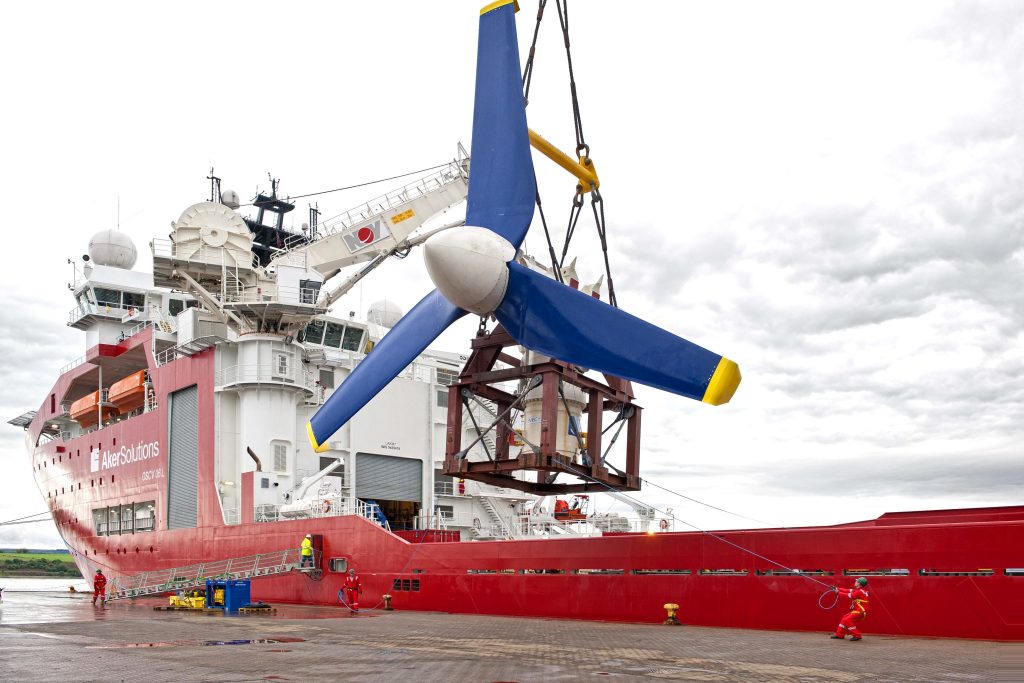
23	584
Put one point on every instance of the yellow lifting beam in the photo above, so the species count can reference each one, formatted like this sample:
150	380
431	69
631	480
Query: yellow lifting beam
583	169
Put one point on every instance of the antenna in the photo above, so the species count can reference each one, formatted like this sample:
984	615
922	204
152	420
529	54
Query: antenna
118	210
214	186
314	214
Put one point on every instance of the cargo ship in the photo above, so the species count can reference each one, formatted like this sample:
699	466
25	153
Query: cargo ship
201	431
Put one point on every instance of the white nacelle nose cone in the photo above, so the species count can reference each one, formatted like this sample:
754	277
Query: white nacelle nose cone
467	266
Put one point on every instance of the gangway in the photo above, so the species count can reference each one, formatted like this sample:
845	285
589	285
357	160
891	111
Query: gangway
195	575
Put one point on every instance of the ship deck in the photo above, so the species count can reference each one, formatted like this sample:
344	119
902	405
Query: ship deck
62	637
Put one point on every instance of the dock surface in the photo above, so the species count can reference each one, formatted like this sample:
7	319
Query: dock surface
62	637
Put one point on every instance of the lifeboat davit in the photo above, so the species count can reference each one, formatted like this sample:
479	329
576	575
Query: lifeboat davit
128	393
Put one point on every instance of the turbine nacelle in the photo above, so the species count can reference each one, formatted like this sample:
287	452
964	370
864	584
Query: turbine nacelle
469	266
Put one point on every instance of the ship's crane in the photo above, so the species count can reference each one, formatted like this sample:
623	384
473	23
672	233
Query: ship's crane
255	276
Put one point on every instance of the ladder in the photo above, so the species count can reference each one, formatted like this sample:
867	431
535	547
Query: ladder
195	575
497	520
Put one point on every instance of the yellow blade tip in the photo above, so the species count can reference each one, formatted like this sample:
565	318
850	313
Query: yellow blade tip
312	439
723	384
499	3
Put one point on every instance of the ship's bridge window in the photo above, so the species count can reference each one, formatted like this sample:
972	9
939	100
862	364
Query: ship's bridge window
332	335
118	299
314	333
175	306
327	378
110	297
133	300
353	338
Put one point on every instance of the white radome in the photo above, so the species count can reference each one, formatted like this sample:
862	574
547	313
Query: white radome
468	266
112	248
229	198
384	313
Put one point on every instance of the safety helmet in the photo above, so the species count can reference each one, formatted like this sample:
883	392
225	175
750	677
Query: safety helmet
862	581
309	536
99	571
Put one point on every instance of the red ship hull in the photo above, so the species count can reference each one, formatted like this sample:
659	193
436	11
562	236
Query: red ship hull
948	574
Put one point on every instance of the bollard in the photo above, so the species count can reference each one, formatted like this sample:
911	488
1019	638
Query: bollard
387	603
671	608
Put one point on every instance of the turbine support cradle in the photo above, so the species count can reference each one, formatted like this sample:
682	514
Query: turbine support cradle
588	467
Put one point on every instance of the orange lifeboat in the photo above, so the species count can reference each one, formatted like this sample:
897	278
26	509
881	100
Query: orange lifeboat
84	410
128	393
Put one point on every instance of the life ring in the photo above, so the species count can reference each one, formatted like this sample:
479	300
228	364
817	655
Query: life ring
327	505
663	524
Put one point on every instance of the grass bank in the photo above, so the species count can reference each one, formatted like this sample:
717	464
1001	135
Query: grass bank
37	564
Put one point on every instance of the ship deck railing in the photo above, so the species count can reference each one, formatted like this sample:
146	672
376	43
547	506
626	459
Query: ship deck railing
111	309
378	205
196	575
265	373
330	506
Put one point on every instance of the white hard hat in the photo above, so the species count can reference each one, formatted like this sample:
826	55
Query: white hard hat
309	536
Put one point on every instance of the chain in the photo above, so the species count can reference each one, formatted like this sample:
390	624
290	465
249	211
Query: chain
574	217
563	19
556	271
582	150
597	203
528	69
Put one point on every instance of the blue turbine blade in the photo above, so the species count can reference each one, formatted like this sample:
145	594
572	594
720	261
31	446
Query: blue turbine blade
547	316
399	347
502	187
502	191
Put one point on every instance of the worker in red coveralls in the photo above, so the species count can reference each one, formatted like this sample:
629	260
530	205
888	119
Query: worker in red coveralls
353	587
99	587
858	610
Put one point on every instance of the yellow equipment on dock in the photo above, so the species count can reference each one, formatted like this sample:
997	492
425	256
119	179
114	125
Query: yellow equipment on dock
192	600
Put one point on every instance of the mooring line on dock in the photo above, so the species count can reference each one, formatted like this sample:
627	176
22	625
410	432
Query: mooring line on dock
794	572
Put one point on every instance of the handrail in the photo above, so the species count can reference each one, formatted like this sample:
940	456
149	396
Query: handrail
193	575
200	252
403	195
72	365
264	373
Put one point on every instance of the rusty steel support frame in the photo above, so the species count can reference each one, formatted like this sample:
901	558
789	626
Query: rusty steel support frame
479	376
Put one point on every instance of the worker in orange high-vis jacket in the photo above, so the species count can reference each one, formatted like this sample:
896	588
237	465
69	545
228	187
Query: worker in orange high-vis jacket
858	610
353	587
99	587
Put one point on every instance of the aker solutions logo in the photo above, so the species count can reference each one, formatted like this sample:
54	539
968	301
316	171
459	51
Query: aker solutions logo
125	455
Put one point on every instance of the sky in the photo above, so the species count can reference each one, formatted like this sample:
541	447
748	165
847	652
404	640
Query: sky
831	194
